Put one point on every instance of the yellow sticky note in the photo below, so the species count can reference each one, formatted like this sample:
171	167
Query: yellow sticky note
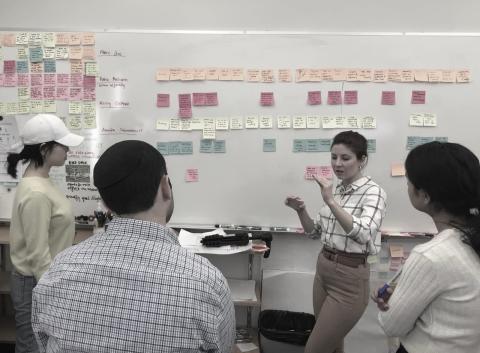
396	250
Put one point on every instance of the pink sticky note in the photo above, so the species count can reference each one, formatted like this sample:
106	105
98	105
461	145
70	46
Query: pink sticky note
36	92
350	97
334	97
89	81
23	80
266	99
11	80
418	97
185	112
191	175
2	80
184	100
310	171
211	99
9	67
326	172
163	100
63	79
48	92
89	94
388	97
314	97
62	93
49	79
36	80
199	99
76	80
323	171
76	93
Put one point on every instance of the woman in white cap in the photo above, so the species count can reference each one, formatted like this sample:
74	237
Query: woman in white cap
42	222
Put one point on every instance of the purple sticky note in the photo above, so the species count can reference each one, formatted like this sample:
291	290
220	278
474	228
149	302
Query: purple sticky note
388	97
350	97
163	100
418	97
334	97
314	98
266	99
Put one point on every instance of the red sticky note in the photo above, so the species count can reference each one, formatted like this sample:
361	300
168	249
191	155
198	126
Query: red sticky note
199	99
185	105
334	97
418	97
266	99
350	97
211	99
388	97
191	175
314	98
89	81
163	100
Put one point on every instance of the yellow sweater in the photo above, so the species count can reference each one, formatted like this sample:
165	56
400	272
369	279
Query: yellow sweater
42	225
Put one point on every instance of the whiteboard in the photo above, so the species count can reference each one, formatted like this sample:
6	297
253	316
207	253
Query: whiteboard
246	185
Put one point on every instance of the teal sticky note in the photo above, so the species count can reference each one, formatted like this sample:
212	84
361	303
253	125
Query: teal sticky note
162	147
206	146
371	146
269	145
186	147
299	145
325	145
49	66
36	54
414	141
218	146
174	147
312	145
22	67
441	139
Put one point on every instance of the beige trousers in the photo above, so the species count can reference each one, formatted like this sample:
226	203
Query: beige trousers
340	296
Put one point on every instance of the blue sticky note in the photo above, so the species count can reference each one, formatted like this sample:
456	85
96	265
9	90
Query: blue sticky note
269	145
206	146
325	145
186	147
22	67
36	54
218	146
299	145
414	141
371	146
162	147
49	66
174	147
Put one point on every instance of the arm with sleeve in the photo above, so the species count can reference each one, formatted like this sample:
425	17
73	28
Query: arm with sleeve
366	227
416	289
35	213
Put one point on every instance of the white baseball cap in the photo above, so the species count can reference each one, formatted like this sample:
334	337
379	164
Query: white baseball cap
44	128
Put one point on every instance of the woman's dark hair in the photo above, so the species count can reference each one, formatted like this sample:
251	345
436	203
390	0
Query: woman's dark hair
30	153
450	174
354	141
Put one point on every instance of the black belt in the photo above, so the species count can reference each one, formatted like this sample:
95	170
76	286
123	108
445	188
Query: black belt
344	258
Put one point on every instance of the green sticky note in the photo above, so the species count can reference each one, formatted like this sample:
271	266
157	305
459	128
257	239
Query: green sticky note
36	54
206	146
269	145
174	147
162	147
186	147
299	145
325	145
371	146
218	146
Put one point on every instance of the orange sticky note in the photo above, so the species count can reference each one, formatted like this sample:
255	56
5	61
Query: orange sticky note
398	169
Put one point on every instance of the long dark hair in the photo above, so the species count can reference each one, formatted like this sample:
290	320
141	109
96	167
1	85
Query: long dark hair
450	174
32	153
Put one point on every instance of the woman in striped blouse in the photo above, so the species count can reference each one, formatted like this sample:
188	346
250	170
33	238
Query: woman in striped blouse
348	225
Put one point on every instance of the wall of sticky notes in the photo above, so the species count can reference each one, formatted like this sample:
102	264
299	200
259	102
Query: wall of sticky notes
243	120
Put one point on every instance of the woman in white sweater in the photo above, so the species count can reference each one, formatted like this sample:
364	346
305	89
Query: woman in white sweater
435	307
42	222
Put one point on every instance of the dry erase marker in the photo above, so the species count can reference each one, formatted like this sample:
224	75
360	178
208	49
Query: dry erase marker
382	292
279	229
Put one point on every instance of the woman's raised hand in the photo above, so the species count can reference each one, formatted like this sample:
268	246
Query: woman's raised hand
326	187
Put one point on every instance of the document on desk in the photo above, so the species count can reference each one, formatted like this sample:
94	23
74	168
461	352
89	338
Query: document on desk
191	242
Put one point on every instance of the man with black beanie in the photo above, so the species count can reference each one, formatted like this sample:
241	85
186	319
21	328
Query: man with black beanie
133	288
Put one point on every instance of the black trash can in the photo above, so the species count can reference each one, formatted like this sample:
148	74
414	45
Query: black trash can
287	327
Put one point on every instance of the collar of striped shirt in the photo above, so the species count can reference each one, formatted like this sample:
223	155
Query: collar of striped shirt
121	226
345	189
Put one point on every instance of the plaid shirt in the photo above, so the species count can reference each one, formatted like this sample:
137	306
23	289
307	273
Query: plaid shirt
133	289
365	201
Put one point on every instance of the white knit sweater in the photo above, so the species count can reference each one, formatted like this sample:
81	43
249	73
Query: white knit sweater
435	307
